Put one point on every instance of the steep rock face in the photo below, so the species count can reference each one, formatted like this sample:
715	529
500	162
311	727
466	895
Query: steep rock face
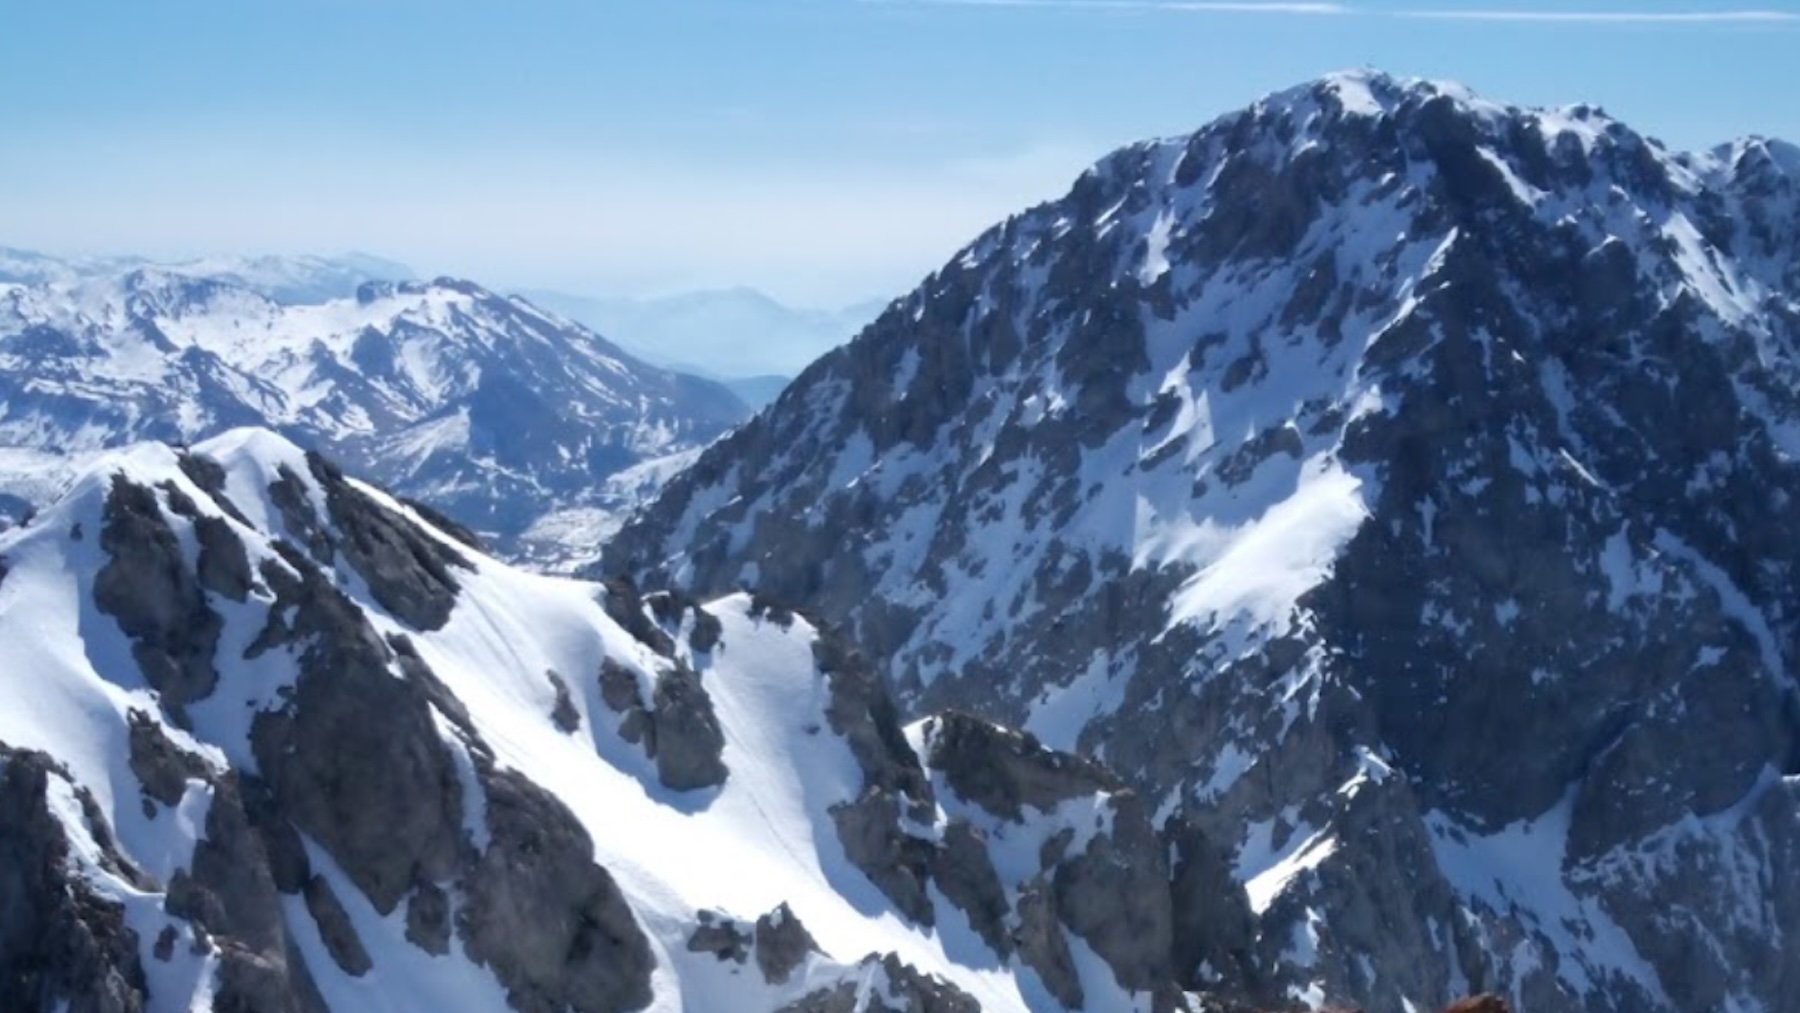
554	925
60	943
157	601
1387	483
500	415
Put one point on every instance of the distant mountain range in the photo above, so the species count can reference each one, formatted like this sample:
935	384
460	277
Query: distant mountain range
727	334
499	413
283	279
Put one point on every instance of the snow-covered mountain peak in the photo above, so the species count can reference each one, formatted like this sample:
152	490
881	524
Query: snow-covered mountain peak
1357	476
498	411
293	279
286	744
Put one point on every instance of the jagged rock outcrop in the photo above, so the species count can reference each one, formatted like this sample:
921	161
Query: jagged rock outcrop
782	945
778	941
678	729
353	740
156	600
162	768
1035	848
395	799
690	745
335	928
1102	871
720	936
552	924
897	987
1289	466
60	943
230	897
409	572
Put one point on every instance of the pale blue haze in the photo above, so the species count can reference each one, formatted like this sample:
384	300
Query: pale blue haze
824	150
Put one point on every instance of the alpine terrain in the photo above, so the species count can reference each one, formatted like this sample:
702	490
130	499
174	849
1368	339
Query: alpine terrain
273	741
500	415
1397	489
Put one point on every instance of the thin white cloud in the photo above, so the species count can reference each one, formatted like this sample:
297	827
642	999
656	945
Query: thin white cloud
1188	6
1589	17
1608	17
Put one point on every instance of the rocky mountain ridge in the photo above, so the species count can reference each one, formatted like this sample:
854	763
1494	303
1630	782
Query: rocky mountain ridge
271	740
499	414
1393	483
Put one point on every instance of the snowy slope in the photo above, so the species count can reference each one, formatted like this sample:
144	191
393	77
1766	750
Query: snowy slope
494	411
296	734
1385	478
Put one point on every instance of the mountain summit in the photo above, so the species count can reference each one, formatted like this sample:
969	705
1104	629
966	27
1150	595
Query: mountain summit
498	413
1394	484
273	741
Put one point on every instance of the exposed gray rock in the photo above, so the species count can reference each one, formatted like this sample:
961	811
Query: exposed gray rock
428	919
209	475
59	942
1573	443
680	731
720	936
289	867
162	767
407	571
551	923
1115	896
147	587
1213	925
908	991
224	566
1002	770
341	941
782	945
566	718
355	759
863	714
860	710
444	524
230	897
964	871
706	632
897	862
620	691
625	604
690	745
293	500
112	857
1042	946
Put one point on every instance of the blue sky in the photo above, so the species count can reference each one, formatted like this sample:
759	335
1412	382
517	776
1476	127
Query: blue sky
823	150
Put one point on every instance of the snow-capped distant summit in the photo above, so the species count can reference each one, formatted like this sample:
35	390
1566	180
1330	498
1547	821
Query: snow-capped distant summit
497	412
295	279
1396	483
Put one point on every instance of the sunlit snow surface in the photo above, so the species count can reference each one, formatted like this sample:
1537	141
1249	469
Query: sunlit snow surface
763	839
